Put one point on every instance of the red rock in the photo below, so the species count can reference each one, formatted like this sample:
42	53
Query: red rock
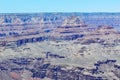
15	75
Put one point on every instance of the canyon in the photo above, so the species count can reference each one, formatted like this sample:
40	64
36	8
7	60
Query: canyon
60	46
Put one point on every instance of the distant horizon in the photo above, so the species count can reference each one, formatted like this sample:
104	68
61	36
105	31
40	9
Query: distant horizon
60	12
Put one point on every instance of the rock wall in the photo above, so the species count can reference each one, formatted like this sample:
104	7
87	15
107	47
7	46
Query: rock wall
54	26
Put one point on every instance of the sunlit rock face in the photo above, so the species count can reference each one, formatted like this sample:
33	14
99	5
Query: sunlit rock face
73	21
60	46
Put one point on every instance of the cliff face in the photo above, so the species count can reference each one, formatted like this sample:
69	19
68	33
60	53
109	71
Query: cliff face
28	18
53	26
96	19
52	46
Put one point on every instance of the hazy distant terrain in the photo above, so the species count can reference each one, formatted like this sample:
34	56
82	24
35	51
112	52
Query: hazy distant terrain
60	46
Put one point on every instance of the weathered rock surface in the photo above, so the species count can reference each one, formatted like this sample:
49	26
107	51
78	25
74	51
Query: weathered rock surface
60	46
32	68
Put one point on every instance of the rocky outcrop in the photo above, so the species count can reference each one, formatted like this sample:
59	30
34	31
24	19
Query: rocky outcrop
33	68
54	26
105	30
73	21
